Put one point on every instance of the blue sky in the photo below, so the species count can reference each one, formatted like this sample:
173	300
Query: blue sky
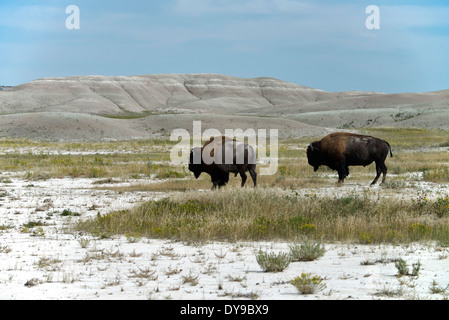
321	44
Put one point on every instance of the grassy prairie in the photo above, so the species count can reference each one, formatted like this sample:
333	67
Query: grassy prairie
118	159
410	138
89	166
271	213
415	150
284	206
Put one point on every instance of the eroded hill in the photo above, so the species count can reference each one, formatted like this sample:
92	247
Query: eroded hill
128	107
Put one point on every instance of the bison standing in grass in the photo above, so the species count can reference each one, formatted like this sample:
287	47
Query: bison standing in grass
340	150
220	156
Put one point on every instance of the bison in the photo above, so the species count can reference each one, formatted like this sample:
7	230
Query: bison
220	156
340	150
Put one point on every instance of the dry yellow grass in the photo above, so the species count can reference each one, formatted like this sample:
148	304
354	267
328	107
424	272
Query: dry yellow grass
282	207
234	214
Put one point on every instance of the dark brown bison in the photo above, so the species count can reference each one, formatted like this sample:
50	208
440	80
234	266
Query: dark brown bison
220	156
340	150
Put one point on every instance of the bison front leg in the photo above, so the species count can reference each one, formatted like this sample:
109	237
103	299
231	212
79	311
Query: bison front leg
244	177
341	174
215	182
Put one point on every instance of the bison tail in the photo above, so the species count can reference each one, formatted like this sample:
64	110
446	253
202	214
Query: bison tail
389	147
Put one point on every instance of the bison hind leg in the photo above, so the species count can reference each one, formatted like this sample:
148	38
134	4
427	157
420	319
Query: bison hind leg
253	174
383	167
244	177
380	169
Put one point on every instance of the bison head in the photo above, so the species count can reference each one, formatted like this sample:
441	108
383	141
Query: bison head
196	164
314	155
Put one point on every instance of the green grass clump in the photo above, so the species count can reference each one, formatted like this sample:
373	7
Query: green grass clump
403	269
308	250
272	262
67	212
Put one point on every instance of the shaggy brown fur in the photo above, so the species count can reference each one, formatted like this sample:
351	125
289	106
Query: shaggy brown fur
340	150
219	173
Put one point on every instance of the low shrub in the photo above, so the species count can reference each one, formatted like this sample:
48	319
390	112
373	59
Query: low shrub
308	250
308	283
272	262
403	269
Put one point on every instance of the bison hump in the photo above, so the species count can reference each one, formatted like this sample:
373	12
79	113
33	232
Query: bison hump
214	143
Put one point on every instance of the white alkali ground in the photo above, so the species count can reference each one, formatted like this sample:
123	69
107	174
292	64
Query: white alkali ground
50	262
